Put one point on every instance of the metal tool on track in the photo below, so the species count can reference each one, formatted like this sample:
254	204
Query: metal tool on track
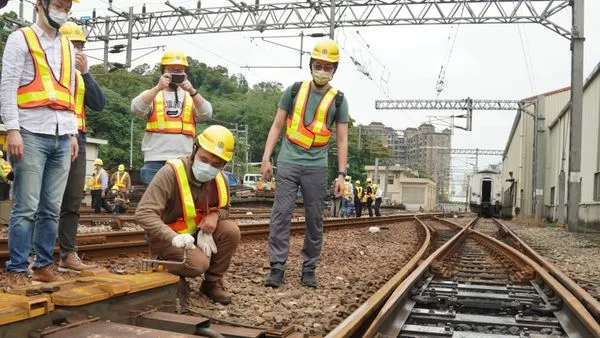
153	263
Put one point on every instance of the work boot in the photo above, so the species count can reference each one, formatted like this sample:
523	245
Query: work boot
309	279
46	274
275	278
214	290
16	280
72	263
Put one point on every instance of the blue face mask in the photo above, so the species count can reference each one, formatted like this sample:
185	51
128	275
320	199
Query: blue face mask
204	172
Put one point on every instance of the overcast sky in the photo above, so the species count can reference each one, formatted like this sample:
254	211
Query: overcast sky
487	62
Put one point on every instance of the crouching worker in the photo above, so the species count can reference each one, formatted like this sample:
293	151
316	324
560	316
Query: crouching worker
186	206
121	202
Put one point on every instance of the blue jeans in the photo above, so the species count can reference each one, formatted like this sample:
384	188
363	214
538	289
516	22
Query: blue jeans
40	180
150	169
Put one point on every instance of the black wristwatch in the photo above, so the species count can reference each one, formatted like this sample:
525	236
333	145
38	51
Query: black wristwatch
195	93
341	173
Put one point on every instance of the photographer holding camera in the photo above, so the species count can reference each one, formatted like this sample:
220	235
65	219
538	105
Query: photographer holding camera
171	108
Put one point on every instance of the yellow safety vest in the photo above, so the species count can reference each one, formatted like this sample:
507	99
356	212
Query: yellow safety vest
316	134
160	122
80	101
45	90
121	180
359	192
346	189
190	220
96	182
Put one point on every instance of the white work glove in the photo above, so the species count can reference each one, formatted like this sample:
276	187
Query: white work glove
206	243
183	241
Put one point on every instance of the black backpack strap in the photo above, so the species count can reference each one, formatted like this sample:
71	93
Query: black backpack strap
295	89
339	98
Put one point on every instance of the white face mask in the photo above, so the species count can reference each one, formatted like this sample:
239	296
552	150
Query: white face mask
321	77
59	17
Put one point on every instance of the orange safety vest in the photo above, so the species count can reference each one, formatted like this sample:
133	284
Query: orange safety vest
160	122
316	134
190	220
80	101
121	180
45	90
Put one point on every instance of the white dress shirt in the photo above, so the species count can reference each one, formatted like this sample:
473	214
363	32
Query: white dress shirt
18	70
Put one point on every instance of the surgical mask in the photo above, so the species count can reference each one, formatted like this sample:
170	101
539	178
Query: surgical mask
204	172
59	17
321	77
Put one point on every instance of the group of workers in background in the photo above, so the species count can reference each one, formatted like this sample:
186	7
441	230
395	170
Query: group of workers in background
45	89
355	198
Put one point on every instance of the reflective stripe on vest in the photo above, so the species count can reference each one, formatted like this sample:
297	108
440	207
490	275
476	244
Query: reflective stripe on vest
121	180
45	90
160	122
96	180
359	192
80	101
346	189
190	219
316	134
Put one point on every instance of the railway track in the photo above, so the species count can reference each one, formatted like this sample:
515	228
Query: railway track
115	243
473	285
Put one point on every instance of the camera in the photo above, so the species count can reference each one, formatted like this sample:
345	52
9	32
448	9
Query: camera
177	78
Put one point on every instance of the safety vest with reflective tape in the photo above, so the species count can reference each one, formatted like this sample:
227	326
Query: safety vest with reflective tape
45	90
121	180
190	220
96	180
80	101
316	134
346	189
359	192
160	122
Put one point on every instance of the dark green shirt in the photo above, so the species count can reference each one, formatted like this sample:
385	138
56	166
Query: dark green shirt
315	156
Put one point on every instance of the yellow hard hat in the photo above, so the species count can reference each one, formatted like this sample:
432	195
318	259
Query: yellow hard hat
115	187
347	178
173	58
218	141
368	180
326	50
72	31
121	167
98	162
375	186
357	182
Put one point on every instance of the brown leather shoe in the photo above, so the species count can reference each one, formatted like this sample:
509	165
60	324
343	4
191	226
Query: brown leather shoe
46	274
72	263
215	291
16	280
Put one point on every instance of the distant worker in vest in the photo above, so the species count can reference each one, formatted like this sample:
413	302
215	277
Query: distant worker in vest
5	178
347	197
358	194
99	187
369	196
309	110
260	185
186	207
38	103
378	200
121	179
121	202
87	93
172	108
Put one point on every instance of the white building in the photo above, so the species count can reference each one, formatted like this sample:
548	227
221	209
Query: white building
403	186
554	107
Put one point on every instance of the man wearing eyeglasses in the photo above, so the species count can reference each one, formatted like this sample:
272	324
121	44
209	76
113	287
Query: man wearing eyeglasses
309	109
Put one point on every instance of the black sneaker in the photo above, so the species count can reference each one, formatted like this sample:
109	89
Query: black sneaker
309	279
275	278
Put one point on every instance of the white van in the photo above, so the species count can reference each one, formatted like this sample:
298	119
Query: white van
250	180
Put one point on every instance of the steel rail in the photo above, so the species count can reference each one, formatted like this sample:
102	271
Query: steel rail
352	324
588	300
407	284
